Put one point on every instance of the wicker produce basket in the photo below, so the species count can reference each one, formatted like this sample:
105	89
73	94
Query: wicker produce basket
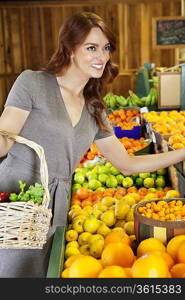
26	224
163	230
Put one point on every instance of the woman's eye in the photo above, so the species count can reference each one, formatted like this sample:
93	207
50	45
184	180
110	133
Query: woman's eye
108	48
91	48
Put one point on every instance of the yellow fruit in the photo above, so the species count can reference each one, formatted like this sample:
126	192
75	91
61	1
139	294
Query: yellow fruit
150	266
174	244
103	230
117	236
129	199
65	273
136	196
108	218
96	237
129	227
72	244
71	251
113	272
181	253
71	235
108	201
172	194
84	237
178	270
91	224
150	196
130	216
78	225
70	260
119	229
85	267
120	223
148	245
96	213
97	248
121	209
85	249
100	206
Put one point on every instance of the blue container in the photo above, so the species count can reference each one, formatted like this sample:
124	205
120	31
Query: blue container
134	133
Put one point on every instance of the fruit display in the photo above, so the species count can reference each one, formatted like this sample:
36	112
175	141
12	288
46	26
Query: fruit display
119	259
155	116
173	210
130	144
117	101
176	141
104	175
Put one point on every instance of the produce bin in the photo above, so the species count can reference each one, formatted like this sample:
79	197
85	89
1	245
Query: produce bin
163	230
146	150
56	259
134	133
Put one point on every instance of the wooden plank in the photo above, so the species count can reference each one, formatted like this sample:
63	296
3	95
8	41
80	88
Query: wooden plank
23	38
2	44
145	34
16	45
56	259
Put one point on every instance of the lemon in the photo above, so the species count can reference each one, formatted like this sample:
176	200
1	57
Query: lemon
71	235
84	237
71	251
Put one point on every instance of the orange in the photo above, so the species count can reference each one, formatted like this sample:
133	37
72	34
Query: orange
82	192
150	266
173	245
166	256
181	253
70	260
117	253
85	266
178	270
148	245
117	236
113	272
65	273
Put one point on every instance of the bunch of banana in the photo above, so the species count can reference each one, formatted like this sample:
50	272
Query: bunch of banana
151	99
134	100
114	101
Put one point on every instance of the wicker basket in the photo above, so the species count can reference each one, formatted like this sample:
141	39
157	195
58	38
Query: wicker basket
26	224
163	230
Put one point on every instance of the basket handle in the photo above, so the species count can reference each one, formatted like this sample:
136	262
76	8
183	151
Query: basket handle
43	166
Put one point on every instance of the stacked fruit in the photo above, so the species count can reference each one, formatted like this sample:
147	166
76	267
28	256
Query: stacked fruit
114	101
118	259
173	115
164	210
177	141
101	176
131	145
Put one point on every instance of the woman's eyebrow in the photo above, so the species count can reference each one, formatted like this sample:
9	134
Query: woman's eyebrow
95	44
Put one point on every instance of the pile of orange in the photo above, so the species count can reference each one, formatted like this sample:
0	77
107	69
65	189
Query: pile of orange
84	197
164	210
123	116
153	259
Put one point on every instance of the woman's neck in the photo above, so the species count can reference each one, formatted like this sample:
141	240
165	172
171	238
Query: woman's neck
72	82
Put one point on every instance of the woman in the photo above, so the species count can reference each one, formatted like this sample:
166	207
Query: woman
61	109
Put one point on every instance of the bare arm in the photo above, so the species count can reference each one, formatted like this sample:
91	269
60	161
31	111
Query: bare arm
12	120
115	152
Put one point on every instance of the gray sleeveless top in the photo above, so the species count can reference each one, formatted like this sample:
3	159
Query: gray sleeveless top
49	125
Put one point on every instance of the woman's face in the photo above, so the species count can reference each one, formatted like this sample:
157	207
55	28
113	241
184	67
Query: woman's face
91	56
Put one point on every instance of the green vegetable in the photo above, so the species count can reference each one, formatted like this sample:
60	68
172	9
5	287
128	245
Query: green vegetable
34	193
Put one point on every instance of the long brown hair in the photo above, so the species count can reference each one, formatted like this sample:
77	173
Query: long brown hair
72	33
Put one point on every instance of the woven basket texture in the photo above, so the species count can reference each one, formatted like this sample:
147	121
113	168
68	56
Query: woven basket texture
25	224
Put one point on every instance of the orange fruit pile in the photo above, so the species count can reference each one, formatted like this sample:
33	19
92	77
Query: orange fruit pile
164	210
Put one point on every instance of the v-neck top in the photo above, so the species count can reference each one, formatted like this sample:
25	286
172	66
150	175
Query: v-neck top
49	125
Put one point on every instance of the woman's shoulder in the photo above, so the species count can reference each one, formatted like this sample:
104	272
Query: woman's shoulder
31	74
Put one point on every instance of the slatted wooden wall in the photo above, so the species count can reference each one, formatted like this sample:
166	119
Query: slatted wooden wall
29	31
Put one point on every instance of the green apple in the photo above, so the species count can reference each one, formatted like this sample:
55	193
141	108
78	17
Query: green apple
114	171
161	171
160	181
144	175
93	184
79	178
148	182
119	178
139	182
75	187
102	177
111	182
127	182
